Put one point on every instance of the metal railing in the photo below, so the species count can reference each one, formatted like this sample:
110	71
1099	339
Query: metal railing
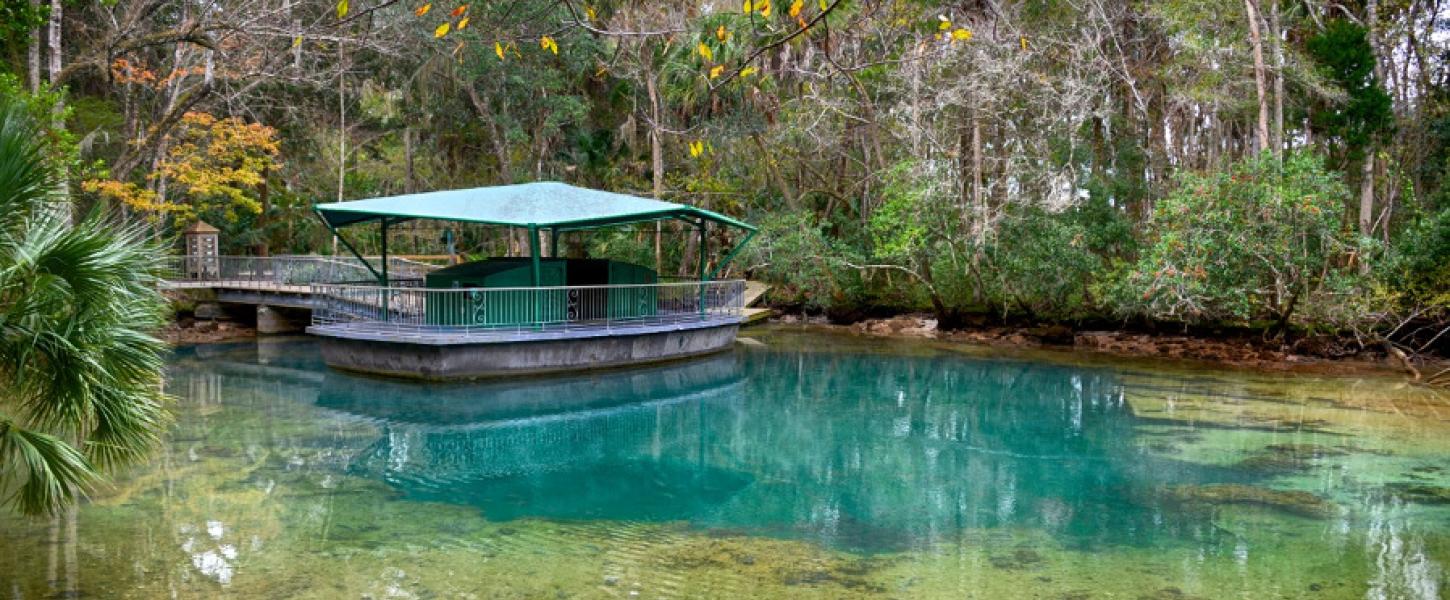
486	312
272	272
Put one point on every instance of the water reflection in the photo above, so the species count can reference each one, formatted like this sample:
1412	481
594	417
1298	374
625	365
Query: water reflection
766	472
857	451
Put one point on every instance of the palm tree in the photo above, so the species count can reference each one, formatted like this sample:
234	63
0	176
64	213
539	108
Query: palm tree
80	372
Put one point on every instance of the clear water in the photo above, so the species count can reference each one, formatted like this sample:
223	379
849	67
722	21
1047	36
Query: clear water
801	464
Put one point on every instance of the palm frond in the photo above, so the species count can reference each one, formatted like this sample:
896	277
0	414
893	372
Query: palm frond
50	472
80	372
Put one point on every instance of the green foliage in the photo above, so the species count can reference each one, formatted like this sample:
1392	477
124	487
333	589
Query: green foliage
80	371
1256	240
1343	52
1420	263
793	251
1044	264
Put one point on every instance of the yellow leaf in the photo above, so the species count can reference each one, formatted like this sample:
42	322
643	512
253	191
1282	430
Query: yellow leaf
823	5
715	72
697	148
945	23
746	7
961	35
423	10
341	8
795	8
297	41
747	71
721	34
442	30
589	12
764	7
547	43
498	49
705	51
462	23
1023	39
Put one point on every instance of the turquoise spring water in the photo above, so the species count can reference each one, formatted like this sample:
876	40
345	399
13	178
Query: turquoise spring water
800	464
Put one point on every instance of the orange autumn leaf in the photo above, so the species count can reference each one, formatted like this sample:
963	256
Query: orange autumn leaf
423	10
458	11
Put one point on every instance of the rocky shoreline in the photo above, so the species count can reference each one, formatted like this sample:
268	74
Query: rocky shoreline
1232	350
185	332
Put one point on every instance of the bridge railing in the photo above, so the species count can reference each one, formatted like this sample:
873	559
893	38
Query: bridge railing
272	272
489	312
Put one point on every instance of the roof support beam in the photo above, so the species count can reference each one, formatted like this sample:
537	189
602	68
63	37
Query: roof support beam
346	244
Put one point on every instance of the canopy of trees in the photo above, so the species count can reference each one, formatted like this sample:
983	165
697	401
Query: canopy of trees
1274	163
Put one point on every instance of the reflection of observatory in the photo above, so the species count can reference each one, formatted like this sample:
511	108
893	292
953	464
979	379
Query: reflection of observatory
626	440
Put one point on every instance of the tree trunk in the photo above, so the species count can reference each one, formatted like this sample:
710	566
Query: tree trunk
1366	183
32	56
1256	39
1278	34
341	125
58	115
657	159
979	207
1366	192
264	196
408	185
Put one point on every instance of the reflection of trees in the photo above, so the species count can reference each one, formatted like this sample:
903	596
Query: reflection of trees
919	448
857	450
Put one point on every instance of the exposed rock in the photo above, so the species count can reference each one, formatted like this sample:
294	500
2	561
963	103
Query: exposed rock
902	325
209	310
190	332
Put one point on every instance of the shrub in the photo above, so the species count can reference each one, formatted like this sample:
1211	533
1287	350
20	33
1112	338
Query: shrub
1258	240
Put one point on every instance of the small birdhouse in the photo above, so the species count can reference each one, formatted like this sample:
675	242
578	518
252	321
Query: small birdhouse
202	251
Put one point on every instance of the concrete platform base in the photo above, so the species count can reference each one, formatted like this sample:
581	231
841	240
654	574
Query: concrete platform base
496	359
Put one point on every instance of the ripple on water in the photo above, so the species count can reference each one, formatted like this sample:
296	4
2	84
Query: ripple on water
809	466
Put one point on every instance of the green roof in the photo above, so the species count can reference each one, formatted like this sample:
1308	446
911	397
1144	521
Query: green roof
544	204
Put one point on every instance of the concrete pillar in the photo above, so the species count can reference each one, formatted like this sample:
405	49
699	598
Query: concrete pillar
271	320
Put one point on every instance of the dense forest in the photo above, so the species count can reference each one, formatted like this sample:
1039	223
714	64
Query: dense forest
1271	165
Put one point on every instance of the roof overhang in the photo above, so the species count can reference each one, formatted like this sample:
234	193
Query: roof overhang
543	205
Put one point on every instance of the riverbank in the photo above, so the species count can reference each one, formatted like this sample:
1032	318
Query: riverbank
188	331
1231	349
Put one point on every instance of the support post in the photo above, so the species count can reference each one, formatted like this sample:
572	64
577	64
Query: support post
534	253
553	242
733	251
700	271
384	277
537	275
700	251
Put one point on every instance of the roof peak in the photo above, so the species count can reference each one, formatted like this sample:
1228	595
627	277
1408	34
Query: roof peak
546	204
